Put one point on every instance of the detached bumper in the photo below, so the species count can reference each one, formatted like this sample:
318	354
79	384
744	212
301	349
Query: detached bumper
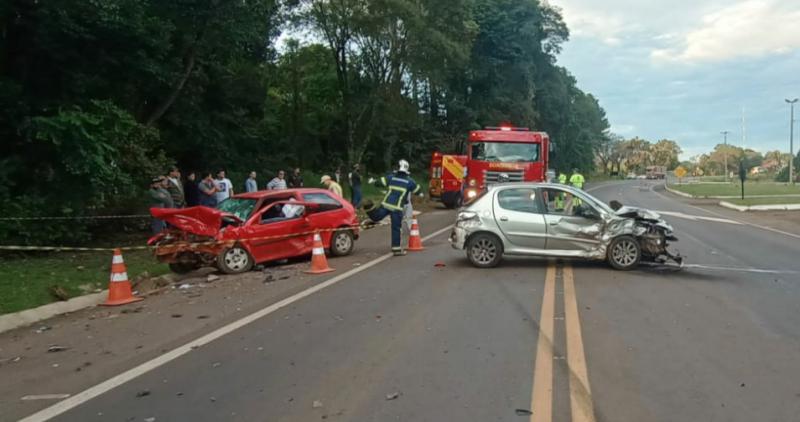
457	238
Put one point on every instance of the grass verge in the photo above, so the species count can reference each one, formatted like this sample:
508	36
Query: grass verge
779	200
750	189
27	281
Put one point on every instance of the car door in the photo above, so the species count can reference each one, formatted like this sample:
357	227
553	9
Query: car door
271	237
573	224
329	215
518	213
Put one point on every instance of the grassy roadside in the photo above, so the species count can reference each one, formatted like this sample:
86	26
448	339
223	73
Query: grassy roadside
780	200
750	189
27	281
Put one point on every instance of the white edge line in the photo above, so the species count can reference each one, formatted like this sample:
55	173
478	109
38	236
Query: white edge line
179	351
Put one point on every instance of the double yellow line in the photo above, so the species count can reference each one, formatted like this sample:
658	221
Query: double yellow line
580	394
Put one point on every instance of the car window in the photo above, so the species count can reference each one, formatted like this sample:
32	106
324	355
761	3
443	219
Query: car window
561	202
521	200
323	199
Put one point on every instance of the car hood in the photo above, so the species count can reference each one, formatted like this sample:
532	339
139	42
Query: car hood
202	221
638	213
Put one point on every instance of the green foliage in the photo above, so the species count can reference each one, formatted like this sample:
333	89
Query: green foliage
98	96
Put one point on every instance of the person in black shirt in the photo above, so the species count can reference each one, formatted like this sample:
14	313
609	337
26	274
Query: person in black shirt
355	185
296	180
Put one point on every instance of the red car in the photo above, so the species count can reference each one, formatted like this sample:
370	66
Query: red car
253	228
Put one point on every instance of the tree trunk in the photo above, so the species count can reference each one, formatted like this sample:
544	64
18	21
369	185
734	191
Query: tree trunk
176	90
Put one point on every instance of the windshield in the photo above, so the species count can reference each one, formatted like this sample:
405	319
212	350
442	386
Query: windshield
513	152
239	207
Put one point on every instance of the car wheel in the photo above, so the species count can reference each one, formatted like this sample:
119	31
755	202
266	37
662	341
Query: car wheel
183	267
342	243
484	250
624	253
234	260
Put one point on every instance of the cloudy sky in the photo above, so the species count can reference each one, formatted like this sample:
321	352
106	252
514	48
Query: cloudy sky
684	69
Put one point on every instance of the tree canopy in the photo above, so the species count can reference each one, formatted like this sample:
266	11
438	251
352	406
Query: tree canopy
98	96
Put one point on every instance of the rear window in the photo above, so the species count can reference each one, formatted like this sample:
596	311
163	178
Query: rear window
520	200
324	199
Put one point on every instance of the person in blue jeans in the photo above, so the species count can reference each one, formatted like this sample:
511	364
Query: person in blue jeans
401	187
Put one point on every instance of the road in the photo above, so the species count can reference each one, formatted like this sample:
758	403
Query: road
405	339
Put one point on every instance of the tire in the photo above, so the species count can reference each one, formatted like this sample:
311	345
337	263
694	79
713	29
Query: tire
182	267
624	253
234	260
342	243
484	250
456	202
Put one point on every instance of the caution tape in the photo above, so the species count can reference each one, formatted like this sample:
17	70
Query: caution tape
185	244
78	217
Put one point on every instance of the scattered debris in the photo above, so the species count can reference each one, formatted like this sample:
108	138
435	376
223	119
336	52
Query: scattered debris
216	365
742	385
59	293
317	404
203	316
179	394
284	277
55	348
439	264
523	412
45	397
55	365
150	419
85	365
393	396
143	393
185	286
135	310
213	399
212	278
176	315
268	278
43	328
357	264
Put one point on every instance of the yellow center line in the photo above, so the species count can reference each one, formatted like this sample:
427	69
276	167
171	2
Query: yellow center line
542	396
580	394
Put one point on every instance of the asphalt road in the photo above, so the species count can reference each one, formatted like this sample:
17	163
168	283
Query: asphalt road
404	339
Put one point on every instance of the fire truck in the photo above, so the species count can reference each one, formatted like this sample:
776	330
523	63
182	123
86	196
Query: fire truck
494	155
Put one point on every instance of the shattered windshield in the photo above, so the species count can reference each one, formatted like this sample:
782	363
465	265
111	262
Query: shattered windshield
239	207
505	152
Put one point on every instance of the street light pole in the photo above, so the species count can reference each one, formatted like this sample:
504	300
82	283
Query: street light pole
725	152
791	140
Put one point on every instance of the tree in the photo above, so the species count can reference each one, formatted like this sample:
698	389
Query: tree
665	153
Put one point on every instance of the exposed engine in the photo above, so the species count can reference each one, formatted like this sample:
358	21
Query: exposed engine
653	233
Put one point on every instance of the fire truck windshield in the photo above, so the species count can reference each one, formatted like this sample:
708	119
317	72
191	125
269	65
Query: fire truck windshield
506	152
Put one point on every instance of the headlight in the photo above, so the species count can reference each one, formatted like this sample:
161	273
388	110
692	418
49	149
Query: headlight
471	194
473	182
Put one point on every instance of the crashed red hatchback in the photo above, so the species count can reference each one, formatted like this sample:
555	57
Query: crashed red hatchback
254	228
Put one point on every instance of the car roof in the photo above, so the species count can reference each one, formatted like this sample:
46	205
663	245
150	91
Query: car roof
531	185
283	192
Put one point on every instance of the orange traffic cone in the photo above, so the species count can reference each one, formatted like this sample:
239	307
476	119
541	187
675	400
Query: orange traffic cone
119	287
414	241
319	264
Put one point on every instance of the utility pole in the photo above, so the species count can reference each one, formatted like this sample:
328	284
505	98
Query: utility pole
725	152
791	140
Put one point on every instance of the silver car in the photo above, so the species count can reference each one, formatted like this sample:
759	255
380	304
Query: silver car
553	220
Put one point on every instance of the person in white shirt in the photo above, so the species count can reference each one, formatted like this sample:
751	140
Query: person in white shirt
292	211
224	187
278	183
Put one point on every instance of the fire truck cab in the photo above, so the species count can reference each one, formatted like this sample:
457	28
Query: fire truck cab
498	154
494	155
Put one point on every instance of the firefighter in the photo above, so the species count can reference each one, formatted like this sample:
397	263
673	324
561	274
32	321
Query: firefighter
401	187
577	180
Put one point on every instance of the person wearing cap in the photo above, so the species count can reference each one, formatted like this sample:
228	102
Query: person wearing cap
331	185
159	198
401	187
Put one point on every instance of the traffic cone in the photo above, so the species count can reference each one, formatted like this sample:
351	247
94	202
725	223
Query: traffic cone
414	241
119	287
319	264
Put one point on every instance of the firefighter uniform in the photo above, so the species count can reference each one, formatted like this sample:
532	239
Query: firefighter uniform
401	187
562	178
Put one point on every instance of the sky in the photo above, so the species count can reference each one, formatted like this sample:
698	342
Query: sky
685	69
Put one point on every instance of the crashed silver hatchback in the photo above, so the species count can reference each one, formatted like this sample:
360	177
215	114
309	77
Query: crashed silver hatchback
553	220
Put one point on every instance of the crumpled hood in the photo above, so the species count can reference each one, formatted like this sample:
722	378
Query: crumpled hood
634	212
202	221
